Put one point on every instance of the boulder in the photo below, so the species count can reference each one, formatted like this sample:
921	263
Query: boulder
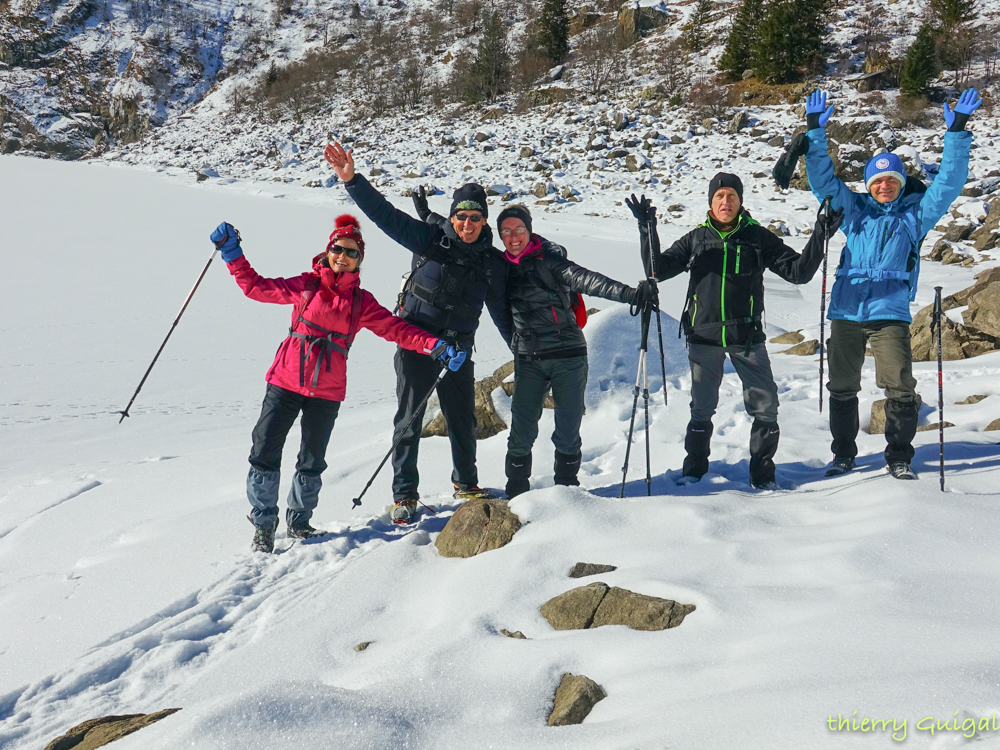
740	120
877	424
777	142
788	337
527	152
971	400
95	733
986	237
540	190
958	341
363	646
517	634
478	526
488	422
575	697
933	426
993	426
481	136
598	604
635	20
984	310
582	570
636	162
805	349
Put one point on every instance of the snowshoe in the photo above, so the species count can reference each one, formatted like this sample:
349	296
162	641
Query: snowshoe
901	470
403	511
473	493
303	532
839	466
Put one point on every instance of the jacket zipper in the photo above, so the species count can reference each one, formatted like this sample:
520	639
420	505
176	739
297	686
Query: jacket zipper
694	312
722	293
555	317
738	249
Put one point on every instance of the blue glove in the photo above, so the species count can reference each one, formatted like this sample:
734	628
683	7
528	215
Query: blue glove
967	104
447	354
817	113
227	239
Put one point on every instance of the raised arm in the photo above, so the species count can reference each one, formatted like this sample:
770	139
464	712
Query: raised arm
819	166
954	171
411	233
667	264
277	291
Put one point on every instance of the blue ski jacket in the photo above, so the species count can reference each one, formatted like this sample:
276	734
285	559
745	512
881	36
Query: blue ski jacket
877	275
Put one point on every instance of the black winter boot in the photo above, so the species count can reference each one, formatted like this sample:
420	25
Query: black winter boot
566	468
698	444
518	470
900	427
844	427
763	445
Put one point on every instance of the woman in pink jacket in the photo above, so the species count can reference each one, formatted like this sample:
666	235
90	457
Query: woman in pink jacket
309	374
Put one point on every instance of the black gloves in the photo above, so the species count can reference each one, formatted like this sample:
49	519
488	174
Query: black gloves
827	224
645	295
642	208
784	168
420	203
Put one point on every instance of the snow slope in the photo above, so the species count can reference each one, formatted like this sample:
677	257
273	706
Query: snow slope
126	584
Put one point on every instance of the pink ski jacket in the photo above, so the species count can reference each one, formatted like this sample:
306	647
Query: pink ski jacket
310	361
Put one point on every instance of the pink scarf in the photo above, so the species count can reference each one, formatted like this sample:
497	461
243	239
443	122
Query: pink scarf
533	247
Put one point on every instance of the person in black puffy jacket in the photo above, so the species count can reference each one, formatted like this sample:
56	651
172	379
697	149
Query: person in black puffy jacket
726	257
549	347
455	270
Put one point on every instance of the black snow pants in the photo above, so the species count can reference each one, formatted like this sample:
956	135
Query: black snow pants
415	374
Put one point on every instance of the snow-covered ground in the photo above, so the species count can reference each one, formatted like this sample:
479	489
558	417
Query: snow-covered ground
127	585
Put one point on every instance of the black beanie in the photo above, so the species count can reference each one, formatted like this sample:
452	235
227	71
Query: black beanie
724	179
469	197
515	212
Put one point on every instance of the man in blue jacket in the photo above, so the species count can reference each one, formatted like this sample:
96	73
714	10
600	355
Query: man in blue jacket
877	278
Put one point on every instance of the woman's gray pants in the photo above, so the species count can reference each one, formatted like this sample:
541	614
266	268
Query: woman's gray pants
532	378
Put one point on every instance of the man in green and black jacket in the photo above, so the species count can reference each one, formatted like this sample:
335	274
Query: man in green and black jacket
726	256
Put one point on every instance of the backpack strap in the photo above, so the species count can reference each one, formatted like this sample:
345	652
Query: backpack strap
325	343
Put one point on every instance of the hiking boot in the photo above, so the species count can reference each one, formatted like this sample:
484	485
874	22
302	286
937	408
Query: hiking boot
263	539
473	493
839	466
518	470
901	470
697	445
403	511
303	532
686	479
566	468
768	485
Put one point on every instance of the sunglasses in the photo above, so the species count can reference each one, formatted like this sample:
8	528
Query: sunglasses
474	218
508	232
349	251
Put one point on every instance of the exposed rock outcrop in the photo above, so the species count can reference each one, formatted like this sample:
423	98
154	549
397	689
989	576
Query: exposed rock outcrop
598	604
478	526
575	697
95	733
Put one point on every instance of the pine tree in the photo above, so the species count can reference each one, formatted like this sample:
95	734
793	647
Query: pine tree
738	54
489	76
695	36
951	13
553	34
790	39
920	64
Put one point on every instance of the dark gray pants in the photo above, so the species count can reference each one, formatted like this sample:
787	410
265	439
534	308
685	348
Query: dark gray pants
532	378
415	374
890	344
760	393
277	414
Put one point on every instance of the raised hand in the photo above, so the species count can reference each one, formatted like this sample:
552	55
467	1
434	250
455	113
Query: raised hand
641	208
420	203
817	113
646	296
227	238
968	103
341	160
828	223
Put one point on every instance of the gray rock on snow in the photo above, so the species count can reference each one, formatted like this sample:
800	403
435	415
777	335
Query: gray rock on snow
95	733
575	698
598	604
478	526
582	570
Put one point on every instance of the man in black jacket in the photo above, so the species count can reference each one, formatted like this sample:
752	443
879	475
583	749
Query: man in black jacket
726	257
549	346
455	270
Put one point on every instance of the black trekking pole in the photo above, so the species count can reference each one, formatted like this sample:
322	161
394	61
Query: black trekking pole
172	327
827	210
640	376
652	278
937	321
416	411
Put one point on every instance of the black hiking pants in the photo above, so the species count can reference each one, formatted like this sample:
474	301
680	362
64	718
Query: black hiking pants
890	344
415	374
277	415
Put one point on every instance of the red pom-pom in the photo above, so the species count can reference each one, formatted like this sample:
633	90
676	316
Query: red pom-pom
346	220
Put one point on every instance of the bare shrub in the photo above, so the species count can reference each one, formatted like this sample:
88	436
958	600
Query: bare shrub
914	111
603	60
709	98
